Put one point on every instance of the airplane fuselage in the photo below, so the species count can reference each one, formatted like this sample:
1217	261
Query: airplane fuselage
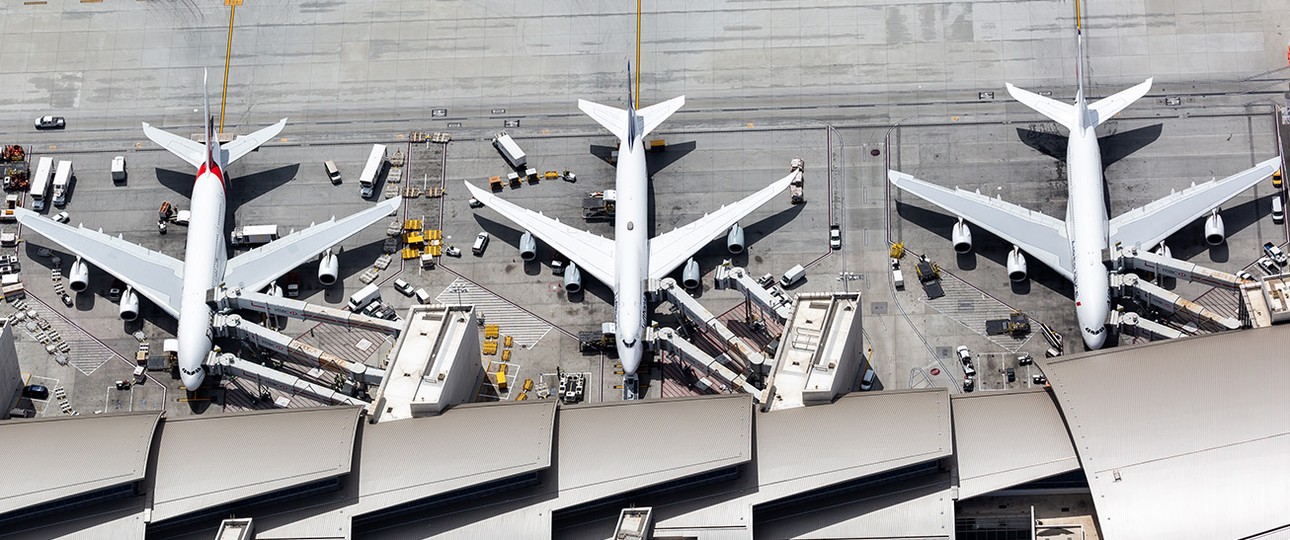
1086	227
631	252
204	261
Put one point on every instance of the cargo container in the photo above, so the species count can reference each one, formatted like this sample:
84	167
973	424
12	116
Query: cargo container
509	150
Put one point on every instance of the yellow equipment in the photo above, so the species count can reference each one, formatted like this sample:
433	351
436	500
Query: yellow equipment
508	342
490	331
528	384
495	183
490	347
506	355
501	381
897	250
410	253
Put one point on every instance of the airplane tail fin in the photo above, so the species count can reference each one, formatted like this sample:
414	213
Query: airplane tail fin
1081	115
630	124
212	138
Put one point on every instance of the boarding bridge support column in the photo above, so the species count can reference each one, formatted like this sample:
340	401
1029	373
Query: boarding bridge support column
666	339
288	346
231	365
239	298
1133	285
695	311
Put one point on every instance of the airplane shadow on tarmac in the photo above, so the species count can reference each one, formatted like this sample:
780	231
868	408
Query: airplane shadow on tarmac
655	160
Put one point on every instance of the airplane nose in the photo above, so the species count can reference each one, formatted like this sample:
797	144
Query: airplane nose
630	357
193	381
1094	341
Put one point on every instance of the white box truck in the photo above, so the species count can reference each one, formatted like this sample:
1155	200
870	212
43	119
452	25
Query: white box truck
40	183
375	164
254	234
511	151
118	169
363	297
62	181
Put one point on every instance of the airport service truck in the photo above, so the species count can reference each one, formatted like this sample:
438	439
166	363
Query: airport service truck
40	183
62	181
118	169
363	297
372	171
511	151
254	235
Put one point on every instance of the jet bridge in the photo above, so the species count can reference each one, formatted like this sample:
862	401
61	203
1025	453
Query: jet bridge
1131	323
235	326
666	339
1131	285
695	311
231	365
1135	258
221	300
771	300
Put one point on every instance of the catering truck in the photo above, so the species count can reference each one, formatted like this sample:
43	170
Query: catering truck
40	183
62	181
511	151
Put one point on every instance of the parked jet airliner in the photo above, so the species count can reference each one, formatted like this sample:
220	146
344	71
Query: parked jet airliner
180	287
631	258
1074	247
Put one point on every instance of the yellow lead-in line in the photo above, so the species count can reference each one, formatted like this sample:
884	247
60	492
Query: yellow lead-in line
637	94
228	55
1077	16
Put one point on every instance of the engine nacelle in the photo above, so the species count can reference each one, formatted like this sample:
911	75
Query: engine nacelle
328	268
274	290
1215	233
735	239
78	278
1016	265
572	279
690	275
962	237
129	309
528	247
1163	251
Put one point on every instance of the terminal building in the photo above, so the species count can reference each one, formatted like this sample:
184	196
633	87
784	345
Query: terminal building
1134	443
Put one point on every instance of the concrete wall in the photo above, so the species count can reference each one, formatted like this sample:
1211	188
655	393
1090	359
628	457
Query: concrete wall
10	373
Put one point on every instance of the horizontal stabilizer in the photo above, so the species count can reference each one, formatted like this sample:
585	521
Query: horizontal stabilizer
612	118
1107	107
1062	113
655	114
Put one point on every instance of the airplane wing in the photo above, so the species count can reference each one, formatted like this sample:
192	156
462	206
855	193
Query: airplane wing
187	149
244	144
594	254
667	251
1040	235
155	275
259	267
1151	224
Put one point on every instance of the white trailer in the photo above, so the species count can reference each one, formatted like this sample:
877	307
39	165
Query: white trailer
511	151
254	234
363	297
62	180
40	183
375	163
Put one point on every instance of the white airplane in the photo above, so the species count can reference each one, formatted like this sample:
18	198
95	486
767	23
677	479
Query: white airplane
1074	247
631	258
180	287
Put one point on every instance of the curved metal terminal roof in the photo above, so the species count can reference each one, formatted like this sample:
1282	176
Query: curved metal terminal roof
1185	438
607	449
68	456
209	461
1005	439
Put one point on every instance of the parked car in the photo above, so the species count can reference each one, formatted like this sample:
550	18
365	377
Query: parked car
50	122
1275	253
835	237
62	217
1268	266
35	391
474	203
403	287
866	383
965	356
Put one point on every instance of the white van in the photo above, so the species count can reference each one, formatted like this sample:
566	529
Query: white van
793	275
423	297
333	172
481	243
1278	209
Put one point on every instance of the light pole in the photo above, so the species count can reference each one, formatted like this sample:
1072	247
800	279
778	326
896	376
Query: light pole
458	288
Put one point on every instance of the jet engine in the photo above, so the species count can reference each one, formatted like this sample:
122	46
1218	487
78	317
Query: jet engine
690	275
735	239
962	237
1215	233
528	247
1164	251
274	290
79	276
572	279
1016	265
129	309
328	268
